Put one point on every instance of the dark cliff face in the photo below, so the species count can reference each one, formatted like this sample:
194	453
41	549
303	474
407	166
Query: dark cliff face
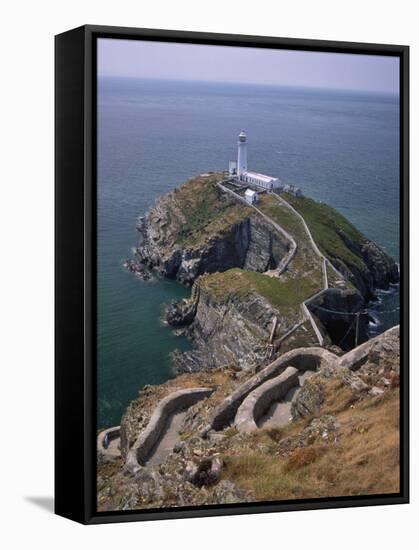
384	270
198	231
362	262
374	270
349	327
248	244
229	331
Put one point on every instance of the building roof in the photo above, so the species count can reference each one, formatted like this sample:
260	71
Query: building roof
250	192
261	177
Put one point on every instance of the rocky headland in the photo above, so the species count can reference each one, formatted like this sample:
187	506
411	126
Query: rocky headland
341	437
232	256
284	395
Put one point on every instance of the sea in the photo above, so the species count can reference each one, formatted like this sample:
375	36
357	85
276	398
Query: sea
340	147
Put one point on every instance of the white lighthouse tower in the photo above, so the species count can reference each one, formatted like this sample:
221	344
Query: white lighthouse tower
242	154
238	171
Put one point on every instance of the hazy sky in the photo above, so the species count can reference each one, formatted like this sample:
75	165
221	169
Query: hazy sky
136	58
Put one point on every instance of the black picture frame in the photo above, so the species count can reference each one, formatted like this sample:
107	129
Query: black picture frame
75	271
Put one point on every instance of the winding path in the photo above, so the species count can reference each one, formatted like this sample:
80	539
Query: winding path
268	392
307	316
293	245
326	261
162	431
279	412
169	439
109	443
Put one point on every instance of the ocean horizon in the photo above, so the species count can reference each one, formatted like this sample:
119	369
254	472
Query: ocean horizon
237	84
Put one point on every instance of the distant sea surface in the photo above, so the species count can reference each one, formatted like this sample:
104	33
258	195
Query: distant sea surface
339	147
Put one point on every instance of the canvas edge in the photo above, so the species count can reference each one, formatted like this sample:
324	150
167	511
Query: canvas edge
83	497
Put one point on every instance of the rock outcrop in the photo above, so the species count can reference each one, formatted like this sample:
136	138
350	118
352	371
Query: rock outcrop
198	229
360	260
379	371
197	233
239	312
224	467
344	330
224	235
383	269
248	244
309	399
229	330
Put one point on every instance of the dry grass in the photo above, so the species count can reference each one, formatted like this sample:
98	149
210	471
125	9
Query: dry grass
206	211
364	460
303	456
220	380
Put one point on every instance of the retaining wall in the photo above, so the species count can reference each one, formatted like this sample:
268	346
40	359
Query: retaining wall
260	399
103	440
175	402
283	264
355	358
313	242
301	358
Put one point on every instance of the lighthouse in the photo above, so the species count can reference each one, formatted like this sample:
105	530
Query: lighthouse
239	172
242	154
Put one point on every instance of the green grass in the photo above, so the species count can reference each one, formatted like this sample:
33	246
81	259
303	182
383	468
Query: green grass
202	211
282	215
305	264
280	294
329	230
206	210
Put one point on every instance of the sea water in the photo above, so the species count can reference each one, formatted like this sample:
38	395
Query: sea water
338	147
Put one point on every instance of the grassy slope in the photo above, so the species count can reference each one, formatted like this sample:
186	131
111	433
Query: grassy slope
281	294
301	280
205	210
363	460
328	227
208	212
306	263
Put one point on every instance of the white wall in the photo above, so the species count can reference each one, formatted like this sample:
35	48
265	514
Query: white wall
26	219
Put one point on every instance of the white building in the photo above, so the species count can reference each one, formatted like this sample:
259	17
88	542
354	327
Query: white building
260	180
247	176
251	196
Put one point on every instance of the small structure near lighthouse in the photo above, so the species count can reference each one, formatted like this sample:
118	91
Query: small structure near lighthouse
240	171
251	196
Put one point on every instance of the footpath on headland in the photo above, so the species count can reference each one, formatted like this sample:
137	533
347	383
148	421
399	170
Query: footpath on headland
261	401
293	248
264	397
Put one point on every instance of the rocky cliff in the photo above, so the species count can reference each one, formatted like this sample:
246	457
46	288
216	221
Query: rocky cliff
233	320
205	237
343	440
362	261
197	229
